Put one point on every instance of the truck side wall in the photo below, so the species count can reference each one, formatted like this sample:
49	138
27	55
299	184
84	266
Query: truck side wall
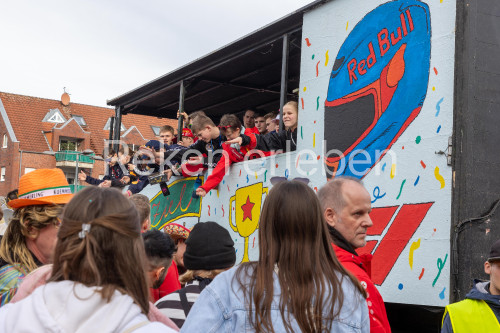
476	154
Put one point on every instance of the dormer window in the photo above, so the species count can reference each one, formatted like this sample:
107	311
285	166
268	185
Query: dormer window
156	130
79	120
106	127
54	116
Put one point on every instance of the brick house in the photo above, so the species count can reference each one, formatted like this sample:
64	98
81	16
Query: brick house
43	133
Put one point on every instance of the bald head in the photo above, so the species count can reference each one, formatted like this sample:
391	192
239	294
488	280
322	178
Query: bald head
346	207
331	194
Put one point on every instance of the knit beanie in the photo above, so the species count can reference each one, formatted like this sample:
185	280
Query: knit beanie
209	246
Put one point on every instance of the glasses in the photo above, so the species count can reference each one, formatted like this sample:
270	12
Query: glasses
224	127
277	180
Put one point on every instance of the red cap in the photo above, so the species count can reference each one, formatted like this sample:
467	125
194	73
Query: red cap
187	132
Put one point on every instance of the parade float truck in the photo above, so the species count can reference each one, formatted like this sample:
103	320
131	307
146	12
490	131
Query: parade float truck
402	94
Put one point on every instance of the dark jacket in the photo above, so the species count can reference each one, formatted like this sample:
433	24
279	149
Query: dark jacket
480	291
278	141
114	173
175	154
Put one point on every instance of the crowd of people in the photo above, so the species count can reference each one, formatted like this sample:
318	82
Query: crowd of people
92	262
201	145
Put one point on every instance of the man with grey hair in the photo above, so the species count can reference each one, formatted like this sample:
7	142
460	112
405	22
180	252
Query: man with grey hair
346	207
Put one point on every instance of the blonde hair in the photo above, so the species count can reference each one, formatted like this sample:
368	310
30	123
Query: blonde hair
200	122
13	248
189	275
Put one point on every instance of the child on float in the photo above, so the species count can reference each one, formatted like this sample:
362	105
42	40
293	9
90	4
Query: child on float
278	140
230	126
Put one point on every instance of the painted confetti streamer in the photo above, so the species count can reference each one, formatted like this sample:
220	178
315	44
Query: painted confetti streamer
317	103
441	294
208	210
265	176
347	26
376	194
302	102
401	189
435	71
307	42
413	247
416	181
423	164
393	171
317	69
439	177
440	266
256	176
222	207
327	57
438	106
421	274
314	140
248	179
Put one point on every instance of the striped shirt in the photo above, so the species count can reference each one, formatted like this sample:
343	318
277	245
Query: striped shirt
171	305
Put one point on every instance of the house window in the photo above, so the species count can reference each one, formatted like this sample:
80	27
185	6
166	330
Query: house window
80	120
28	170
69	144
156	130
5	141
106	127
2	174
54	116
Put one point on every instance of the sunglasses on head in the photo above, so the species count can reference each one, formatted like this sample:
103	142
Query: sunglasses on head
276	180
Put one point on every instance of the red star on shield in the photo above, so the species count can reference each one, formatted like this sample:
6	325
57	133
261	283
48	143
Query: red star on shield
247	209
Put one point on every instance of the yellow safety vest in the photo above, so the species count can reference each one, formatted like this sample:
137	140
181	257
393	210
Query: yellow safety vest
472	315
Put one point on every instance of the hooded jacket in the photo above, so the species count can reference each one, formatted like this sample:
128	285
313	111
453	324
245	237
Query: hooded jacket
67	306
360	267
480	291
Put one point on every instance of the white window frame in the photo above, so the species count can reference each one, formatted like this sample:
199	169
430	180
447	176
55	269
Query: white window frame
5	141
106	127
28	170
2	174
156	130
79	120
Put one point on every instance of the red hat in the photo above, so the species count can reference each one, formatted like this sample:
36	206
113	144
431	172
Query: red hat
187	132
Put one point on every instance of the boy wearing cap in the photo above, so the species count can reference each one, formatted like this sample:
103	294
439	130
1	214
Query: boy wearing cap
480	311
31	235
187	138
209	252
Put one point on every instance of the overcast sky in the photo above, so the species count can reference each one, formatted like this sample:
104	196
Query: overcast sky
100	49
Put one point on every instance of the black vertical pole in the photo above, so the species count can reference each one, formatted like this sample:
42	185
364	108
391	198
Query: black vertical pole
284	78
181	110
111	129
118	124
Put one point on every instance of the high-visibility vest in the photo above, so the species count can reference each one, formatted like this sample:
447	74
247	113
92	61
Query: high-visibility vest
472	315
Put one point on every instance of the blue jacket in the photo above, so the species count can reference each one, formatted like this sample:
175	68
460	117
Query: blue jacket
221	308
479	291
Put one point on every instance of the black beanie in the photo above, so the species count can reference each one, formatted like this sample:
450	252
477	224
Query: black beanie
209	246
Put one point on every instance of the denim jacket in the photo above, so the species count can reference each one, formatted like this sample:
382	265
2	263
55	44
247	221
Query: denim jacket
221	308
